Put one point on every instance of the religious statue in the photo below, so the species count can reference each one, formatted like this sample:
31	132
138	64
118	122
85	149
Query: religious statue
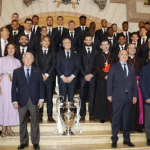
27	2
101	3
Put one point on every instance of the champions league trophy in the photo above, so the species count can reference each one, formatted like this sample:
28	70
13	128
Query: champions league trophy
68	115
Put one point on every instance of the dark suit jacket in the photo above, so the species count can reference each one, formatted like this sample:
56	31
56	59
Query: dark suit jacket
75	42
67	67
117	49
82	34
33	46
86	67
48	65
21	28
118	83
145	82
38	30
12	38
21	90
100	35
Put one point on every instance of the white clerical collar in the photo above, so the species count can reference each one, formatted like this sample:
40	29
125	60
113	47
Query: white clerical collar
106	52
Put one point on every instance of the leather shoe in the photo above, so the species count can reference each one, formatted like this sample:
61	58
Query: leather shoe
114	145
102	121
91	118
36	146
51	120
128	143
22	146
82	119
148	142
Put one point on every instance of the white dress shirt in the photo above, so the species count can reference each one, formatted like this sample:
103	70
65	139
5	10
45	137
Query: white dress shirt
49	29
36	26
73	32
28	34
143	38
104	30
122	64
14	32
25	49
87	49
3	45
120	46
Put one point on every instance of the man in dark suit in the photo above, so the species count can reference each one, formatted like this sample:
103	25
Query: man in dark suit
110	37
145	86
73	36
35	28
4	37
23	48
121	45
60	30
67	67
82	29
126	33
28	94
102	33
53	34
15	16
87	77
92	25
45	60
15	31
28	32
134	39
141	24
114	26
122	92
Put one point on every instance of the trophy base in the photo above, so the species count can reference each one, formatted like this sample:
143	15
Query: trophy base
68	132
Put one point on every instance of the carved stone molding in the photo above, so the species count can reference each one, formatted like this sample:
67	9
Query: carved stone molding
0	7
132	14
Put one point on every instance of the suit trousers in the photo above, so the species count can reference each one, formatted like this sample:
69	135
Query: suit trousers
121	110
67	89
35	133
87	88
147	121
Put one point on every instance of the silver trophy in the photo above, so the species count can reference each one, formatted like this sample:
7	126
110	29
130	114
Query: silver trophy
68	113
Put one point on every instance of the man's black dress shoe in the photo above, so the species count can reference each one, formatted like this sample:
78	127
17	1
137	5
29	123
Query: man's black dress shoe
22	146
114	145
36	146
51	120
82	119
148	142
128	143
102	121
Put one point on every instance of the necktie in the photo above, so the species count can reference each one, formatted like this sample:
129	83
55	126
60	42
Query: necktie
125	70
14	34
127	38
115	35
143	41
110	41
121	47
83	29
71	33
89	53
27	76
49	32
28	36
22	52
45	54
104	30
68	56
4	44
33	30
60	31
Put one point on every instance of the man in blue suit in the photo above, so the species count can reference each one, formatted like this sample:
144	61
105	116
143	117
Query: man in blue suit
67	67
28	94
122	92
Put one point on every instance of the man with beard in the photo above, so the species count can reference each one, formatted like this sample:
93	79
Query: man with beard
87	77
102	63
23	47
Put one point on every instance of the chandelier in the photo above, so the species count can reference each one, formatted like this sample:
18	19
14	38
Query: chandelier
72	2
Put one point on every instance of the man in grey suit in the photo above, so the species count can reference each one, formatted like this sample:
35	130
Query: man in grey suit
28	95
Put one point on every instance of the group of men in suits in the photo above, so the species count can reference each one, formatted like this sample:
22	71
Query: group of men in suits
70	53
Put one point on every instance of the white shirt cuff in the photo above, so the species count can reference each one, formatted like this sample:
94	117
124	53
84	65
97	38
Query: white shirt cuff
61	76
73	75
47	74
15	102
42	100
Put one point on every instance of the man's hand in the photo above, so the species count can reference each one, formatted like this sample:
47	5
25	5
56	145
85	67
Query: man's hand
106	77
88	77
40	104
16	105
44	77
65	79
0	90
109	98
70	79
134	100
147	101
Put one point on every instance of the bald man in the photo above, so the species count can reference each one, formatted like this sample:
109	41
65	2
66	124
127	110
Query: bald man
122	92
28	95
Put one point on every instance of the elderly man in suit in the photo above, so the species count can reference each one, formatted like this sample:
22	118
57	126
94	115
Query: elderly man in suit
122	92
28	94
67	67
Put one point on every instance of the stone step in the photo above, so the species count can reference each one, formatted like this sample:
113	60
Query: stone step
138	146
86	138
87	126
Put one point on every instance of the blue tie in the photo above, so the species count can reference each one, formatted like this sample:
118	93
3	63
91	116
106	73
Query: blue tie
27	76
125	70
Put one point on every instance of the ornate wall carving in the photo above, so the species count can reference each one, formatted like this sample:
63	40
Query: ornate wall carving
0	7
132	14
